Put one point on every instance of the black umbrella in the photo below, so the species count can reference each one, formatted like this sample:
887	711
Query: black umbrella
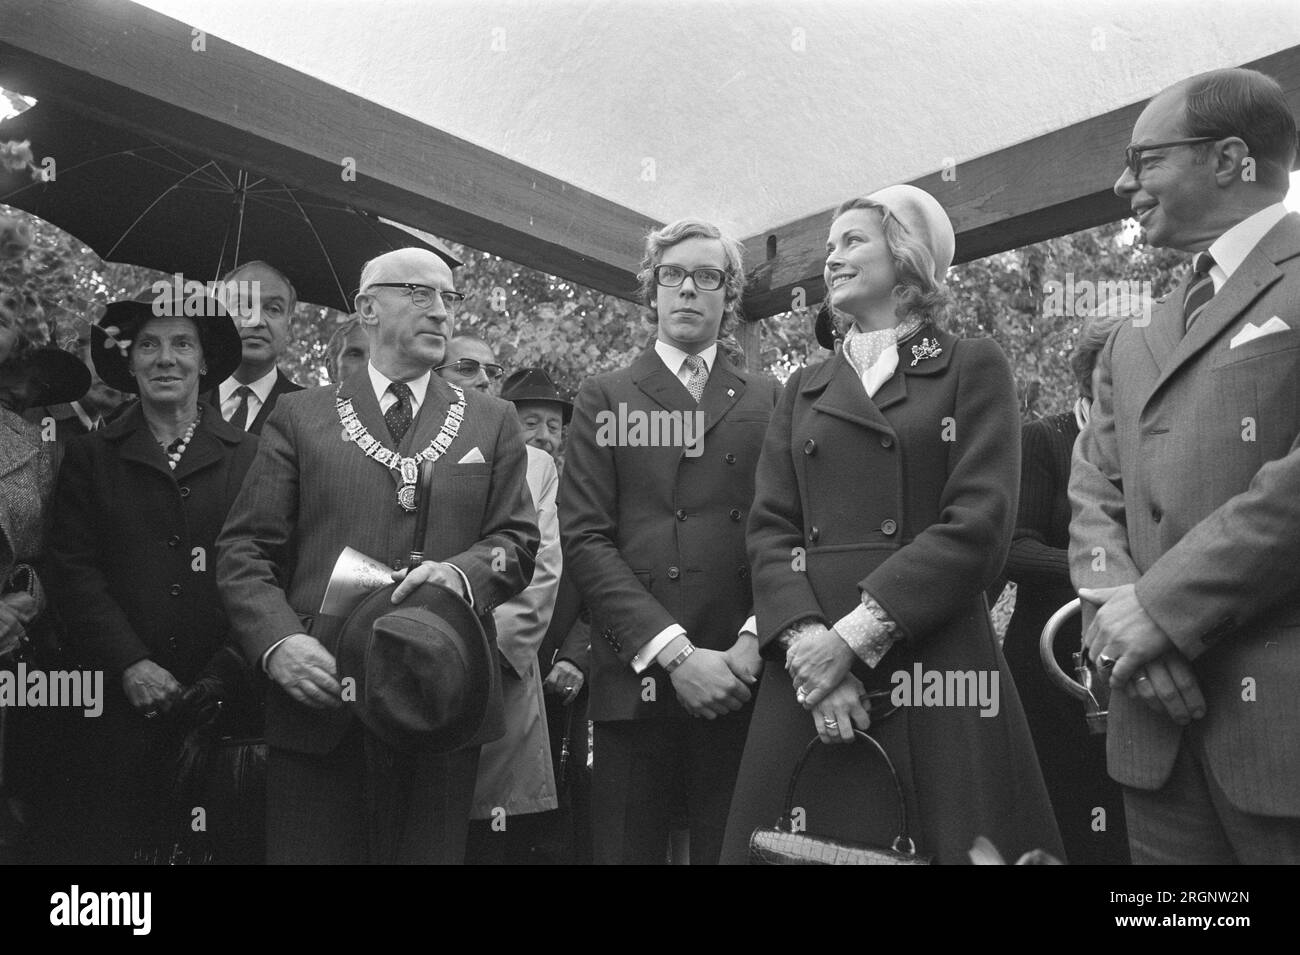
137	201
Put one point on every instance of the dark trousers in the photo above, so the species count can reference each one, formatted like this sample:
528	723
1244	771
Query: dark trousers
321	810
1189	821
644	770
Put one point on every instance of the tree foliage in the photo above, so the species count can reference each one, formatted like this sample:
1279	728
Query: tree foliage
534	319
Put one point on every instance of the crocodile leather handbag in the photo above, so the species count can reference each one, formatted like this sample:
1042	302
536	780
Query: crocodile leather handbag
781	845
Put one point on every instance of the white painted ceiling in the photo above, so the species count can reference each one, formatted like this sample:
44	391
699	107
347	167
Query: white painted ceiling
750	113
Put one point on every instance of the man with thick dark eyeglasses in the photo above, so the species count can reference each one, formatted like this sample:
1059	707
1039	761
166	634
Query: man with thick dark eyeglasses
654	537
310	494
1185	488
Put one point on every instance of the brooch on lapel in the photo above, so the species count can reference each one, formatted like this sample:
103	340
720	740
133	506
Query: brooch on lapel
927	349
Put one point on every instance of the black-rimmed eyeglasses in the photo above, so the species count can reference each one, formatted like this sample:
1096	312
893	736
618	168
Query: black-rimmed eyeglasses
469	368
1133	154
706	280
422	296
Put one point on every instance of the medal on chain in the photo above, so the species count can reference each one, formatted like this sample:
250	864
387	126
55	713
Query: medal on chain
408	469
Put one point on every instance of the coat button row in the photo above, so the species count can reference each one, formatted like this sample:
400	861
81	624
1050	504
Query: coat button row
735	514
729	458
673	573
173	643
886	441
174	590
185	490
889	528
174	540
810	446
813	534
681	513
1156	514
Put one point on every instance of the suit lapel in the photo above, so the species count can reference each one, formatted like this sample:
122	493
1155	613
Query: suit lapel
722	390
433	412
651	375
1253	277
1165	331
359	391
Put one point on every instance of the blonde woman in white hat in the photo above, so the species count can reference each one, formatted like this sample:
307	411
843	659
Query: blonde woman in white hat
885	505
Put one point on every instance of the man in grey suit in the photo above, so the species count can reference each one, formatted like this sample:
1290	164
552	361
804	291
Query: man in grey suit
1185	488
311	492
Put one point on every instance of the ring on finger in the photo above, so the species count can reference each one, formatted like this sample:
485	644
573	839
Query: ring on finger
831	724
1105	662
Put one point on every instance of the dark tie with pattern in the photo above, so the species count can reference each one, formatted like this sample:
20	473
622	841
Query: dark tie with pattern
240	417
399	416
1199	291
699	376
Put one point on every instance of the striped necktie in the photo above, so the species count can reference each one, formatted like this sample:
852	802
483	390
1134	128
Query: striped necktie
1200	290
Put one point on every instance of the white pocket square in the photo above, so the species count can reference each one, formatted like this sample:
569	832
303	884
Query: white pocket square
1250	332
473	457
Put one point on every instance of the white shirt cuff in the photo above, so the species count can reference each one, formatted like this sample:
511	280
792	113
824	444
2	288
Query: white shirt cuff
646	655
469	591
750	627
267	655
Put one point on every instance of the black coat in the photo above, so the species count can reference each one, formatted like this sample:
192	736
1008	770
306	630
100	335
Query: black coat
133	546
910	496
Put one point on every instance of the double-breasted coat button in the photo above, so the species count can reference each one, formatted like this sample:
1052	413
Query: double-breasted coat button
889	528
743	573
886	441
174	590
1156	514
673	573
174	540
813	534
185	490
681	513
171	642
810	446
729	458
735	514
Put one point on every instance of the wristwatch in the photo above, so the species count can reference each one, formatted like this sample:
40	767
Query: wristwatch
678	660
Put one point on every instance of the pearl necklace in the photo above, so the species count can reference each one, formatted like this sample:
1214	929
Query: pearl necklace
177	447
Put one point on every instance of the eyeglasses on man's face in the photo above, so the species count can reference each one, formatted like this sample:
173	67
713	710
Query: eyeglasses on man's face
706	280
422	296
469	368
1133	154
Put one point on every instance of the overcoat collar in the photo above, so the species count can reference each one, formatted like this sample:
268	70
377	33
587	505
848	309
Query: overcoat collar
843	396
724	388
212	441
1164	336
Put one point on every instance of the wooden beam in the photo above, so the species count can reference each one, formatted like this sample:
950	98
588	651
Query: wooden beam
133	67
1053	185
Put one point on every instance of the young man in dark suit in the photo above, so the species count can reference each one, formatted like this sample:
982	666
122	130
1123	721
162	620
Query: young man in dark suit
657	485
1185	488
308	495
246	398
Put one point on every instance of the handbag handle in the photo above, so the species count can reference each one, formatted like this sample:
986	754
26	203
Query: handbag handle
902	842
422	506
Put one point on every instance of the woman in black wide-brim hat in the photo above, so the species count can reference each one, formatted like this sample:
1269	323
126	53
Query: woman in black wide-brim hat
136	513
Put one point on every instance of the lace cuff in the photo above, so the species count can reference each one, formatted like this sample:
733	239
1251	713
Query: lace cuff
868	631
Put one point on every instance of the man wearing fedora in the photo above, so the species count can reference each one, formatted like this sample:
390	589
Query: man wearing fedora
654	535
1185	488
394	460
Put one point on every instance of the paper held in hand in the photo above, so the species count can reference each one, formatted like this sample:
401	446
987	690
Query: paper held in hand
354	576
